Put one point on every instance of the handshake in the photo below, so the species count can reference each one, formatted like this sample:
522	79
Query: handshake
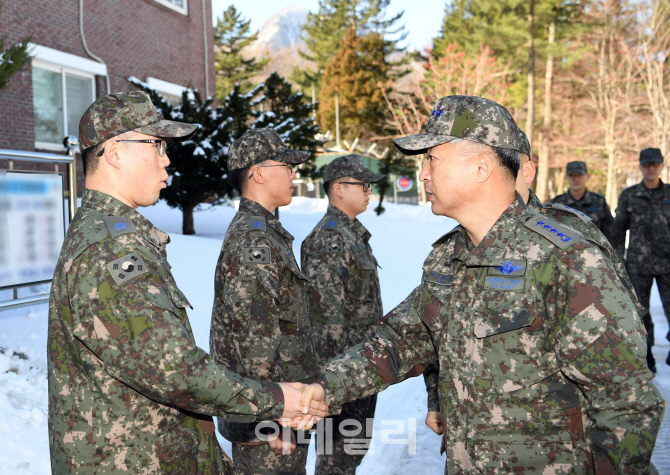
304	405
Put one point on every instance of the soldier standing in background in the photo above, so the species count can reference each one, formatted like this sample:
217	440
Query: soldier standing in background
261	326
540	348
129	390
344	296
588	202
644	210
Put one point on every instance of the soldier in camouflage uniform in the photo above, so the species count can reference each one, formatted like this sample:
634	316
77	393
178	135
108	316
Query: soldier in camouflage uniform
644	210
541	352
129	390
345	298
261	326
580	198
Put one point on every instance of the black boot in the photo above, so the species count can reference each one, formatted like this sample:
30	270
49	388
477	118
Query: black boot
651	362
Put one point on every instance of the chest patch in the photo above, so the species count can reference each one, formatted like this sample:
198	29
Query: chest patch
509	267
257	255
127	268
334	246
516	284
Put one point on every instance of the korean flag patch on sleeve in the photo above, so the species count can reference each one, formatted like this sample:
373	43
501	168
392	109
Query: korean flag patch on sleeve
127	268
257	255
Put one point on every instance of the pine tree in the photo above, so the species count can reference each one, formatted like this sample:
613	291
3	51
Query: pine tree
354	75
290	115
197	167
325	30
231	35
12	59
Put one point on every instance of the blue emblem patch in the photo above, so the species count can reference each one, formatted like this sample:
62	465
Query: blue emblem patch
119	226
501	283
257	224
331	224
508	268
551	229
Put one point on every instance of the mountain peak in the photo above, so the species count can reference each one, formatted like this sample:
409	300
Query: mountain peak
283	29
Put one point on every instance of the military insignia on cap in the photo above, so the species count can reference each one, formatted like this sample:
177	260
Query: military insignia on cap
257	255
117	225
127	268
334	246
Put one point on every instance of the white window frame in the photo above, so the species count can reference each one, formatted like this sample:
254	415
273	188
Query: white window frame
62	70
167	3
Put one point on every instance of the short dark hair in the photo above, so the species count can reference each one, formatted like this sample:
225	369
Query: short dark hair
508	159
90	159
327	187
239	178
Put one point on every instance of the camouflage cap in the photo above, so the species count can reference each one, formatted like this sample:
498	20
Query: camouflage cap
257	145
353	166
651	155
116	114
525	144
467	117
576	167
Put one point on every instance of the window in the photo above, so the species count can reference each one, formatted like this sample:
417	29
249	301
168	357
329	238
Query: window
177	5
60	98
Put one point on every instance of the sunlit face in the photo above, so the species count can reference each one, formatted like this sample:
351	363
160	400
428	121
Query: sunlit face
651	171
577	181
143	171
354	200
279	182
449	176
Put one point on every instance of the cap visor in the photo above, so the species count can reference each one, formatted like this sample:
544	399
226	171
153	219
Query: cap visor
169	130
369	177
420	143
292	157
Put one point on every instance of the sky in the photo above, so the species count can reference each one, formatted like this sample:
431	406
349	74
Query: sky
422	24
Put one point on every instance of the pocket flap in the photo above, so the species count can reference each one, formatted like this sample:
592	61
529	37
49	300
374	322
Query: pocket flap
580	332
495	323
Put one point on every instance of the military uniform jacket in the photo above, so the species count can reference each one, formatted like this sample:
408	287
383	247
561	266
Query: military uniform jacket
591	204
573	219
647	216
124	370
344	291
541	353
261	327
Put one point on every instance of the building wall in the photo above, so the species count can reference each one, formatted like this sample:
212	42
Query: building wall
139	38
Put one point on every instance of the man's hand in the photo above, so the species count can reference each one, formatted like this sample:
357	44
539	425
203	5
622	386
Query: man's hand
284	443
435	421
303	405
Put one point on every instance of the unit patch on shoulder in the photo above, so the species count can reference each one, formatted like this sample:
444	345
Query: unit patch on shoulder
331	222
567	209
257	255
118	225
334	246
127	268
558	234
257	223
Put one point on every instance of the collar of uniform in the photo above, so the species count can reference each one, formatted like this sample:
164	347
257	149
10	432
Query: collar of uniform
642	190
256	209
352	223
586	199
491	250
110	206
534	202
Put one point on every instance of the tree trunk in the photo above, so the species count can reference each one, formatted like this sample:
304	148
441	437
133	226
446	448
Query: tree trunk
531	74
187	223
543	158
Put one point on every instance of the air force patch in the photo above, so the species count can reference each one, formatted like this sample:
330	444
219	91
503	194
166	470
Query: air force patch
117	225
257	255
127	268
509	267
256	223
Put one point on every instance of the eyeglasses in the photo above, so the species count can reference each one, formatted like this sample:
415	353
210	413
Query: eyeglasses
290	168
161	144
366	186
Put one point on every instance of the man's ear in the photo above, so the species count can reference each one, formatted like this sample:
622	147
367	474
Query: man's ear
336	189
257	176
111	154
484	167
529	172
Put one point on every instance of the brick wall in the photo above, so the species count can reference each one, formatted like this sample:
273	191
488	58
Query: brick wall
139	38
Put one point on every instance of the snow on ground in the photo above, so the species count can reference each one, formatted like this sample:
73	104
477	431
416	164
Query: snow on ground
401	240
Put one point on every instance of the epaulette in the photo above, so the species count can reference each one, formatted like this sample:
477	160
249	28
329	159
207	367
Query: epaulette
331	222
567	209
118	225
257	223
446	236
555	232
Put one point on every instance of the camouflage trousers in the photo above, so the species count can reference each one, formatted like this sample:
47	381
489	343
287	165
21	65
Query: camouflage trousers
340	453
642	285
260	460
